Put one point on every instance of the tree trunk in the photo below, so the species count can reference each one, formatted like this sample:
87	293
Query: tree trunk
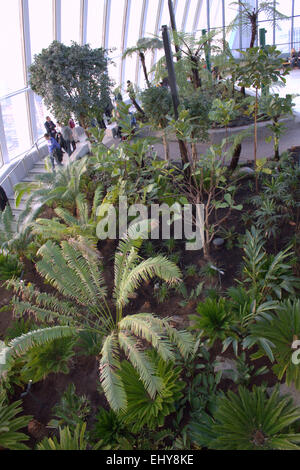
142	57
235	157
137	106
253	31
195	71
166	146
255	137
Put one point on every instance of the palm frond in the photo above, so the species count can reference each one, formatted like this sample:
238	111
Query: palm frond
110	379
140	362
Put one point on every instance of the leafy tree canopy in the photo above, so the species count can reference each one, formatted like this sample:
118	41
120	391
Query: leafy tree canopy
73	80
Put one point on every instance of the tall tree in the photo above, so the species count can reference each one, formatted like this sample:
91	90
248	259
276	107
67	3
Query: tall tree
248	16
72	80
143	46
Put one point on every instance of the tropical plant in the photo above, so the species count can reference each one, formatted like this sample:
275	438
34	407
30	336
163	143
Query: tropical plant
143	46
85	307
259	68
10	436
274	107
249	420
248	16
267	276
214	318
9	267
66	225
109	427
72	409
61	187
70	440
44	359
150	413
281	328
80	90
157	103
15	236
242	372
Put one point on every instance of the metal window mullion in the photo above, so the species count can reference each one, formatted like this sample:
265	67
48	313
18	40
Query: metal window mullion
208	15
127	9
157	26
292	24
223	23
26	46
256	40
240	28
185	14
141	34
83	21
106	18
197	15
274	17
57	20
3	144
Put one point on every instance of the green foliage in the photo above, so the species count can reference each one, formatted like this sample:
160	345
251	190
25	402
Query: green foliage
144	410
267	276
70	440
9	267
214	318
281	328
50	358
74	270
71	411
10	436
157	103
249	420
73	80
223	111
242	372
109	427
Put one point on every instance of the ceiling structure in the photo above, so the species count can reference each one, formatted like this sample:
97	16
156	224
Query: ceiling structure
28	26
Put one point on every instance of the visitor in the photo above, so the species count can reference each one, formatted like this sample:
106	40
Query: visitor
294	58
54	150
67	134
50	127
72	126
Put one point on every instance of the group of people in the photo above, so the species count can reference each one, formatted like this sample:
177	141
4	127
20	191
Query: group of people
295	58
60	138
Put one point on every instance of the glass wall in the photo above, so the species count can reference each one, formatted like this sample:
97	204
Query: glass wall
28	26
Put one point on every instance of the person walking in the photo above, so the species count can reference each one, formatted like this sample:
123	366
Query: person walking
67	134
72	126
50	127
54	150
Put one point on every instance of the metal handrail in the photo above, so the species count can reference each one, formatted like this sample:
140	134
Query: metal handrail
21	161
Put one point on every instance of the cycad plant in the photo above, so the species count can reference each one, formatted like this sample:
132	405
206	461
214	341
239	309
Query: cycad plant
75	270
15	237
267	276
66	225
63	187
76	439
10	436
281	328
249	420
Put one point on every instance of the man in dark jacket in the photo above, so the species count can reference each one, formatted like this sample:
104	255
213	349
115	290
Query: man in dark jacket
50	127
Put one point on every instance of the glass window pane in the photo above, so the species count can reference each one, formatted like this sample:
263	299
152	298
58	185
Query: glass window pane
179	13
95	23
284	9
189	27
40	113
202	23
70	21
12	75
296	33
132	38
15	119
283	35
115	26
41	23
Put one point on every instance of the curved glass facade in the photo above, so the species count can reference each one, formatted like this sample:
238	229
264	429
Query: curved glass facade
28	26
